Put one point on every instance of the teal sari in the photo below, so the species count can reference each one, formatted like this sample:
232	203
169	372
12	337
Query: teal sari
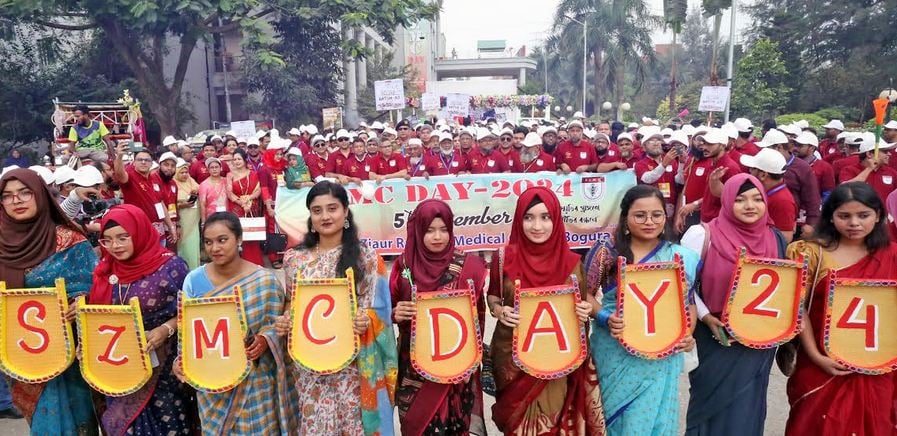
640	396
63	405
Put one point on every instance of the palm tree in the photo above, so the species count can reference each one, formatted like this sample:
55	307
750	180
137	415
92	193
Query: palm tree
674	12
715	9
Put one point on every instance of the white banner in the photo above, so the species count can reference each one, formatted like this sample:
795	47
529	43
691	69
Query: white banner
713	99
457	104
429	101
243	129
389	94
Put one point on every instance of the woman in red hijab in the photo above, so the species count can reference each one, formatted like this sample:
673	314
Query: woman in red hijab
133	264
271	176
537	254
431	264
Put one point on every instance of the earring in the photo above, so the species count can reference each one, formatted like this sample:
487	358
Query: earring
625	231
346	224
313	230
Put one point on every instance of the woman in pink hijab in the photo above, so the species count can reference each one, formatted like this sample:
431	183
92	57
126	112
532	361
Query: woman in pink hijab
728	389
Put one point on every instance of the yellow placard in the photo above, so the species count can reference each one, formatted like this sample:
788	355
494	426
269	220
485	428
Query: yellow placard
860	321
322	338
765	304
445	335
35	341
652	301
210	341
550	341
113	357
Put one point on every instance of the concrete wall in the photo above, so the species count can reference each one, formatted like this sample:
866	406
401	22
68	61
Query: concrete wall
474	87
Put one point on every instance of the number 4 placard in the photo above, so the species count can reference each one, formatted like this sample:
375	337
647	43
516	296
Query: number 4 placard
860	318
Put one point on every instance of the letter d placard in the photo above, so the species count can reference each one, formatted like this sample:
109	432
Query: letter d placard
210	336
35	341
445	335
322	339
113	360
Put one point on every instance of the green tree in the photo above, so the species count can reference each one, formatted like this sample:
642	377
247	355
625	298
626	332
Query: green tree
381	68
141	32
715	8
758	90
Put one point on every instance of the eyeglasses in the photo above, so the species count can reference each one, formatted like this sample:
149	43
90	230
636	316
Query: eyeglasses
23	196
143	160
403	128
320	144
253	146
119	240
342	139
656	217
506	139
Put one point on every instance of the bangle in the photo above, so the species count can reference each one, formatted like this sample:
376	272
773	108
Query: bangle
170	329
603	317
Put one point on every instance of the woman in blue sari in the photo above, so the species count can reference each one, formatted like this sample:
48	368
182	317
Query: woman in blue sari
38	244
263	402
640	396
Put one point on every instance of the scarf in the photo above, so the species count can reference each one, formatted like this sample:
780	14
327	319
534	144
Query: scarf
272	163
148	255
25	244
186	187
727	236
427	267
547	264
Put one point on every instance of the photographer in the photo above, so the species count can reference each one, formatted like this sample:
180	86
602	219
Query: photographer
142	188
84	203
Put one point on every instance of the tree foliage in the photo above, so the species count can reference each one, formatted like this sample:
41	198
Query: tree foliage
758	89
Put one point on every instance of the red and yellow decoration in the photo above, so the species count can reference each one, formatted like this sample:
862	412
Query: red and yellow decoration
860	321
446	344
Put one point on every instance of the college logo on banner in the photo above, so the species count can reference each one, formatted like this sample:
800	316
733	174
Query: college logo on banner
550	341
113	357
860	323
322	339
766	301
211	331
446	345
652	301
35	341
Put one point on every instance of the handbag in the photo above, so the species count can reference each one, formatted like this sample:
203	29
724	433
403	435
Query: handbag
786	354
254	229
275	242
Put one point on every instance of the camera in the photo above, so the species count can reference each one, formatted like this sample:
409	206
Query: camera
96	207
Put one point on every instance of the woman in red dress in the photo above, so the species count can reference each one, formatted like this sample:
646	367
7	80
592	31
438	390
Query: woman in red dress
243	194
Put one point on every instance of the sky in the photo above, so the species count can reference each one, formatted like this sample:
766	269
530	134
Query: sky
522	22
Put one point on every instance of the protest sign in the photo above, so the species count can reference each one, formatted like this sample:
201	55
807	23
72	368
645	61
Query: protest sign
330	116
713	99
389	94
243	129
860	322
457	105
446	345
429	101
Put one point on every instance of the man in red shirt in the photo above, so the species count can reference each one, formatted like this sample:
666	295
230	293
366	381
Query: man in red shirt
169	188
609	156
337	161
389	164
484	159
505	146
198	169
549	139
317	159
660	170
713	147
876	172
445	160
414	159
829	143
576	154
358	166
532	158
143	189
627	150
745	143
466	139
768	166
852	143
805	146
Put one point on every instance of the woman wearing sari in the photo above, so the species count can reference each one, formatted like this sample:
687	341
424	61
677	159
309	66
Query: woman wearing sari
261	404
826	398
728	389
212	191
537	254
432	264
640	396
133	264
188	215
244	190
38	244
358	399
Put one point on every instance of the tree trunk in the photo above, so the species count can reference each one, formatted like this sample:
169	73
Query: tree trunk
598	75
714	59
620	85
673	76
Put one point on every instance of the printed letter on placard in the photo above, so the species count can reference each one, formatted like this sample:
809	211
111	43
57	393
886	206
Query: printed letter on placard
35	341
765	304
113	360
651	299
550	340
446	345
322	338
210	333
861	316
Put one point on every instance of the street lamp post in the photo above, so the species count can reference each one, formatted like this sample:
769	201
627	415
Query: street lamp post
585	57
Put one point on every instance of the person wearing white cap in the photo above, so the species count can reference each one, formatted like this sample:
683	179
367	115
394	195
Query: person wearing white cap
889	134
805	146
850	156
445	160
799	178
337	160
168	187
549	139
170	143
63	178
628	154
485	159
86	186
143	188
721	167
532	158
317	159
829	143
297	139
659	169
768	166
505	142
466	139
414	158
744	142
45	174
390	164
576	154
876	172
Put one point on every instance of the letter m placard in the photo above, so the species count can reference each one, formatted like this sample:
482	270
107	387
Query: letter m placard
446	345
322	339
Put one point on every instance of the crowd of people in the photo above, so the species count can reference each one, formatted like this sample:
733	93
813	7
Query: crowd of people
703	194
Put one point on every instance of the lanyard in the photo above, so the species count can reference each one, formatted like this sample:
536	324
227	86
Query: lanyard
447	164
774	190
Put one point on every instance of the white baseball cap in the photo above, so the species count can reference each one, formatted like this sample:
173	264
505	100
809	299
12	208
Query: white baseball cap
730	130
253	141
547	129
167	156
834	124
214	137
773	137
846	136
445	136
647	131
485	132
376	125
231	133
471	131
714	136
808	138
505	131
578	114
10	168
632	126
790	129
43	172
532	139
294	151
343	133
311	129
868	144
295	131
677	136
63	175
767	160
415	141
575	123
743	125
168	141
390	131
88	176
803	124
316	139
182	163
625	135
891	125
688	129
278	144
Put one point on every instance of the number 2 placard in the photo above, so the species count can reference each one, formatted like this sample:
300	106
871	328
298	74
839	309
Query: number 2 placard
859	323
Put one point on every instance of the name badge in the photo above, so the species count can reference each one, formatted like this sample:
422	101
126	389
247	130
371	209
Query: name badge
832	150
420	167
887	180
664	188
172	211
220	209
582	155
540	162
699	171
454	164
392	163
280	180
490	163
611	153
669	168
156	187
367	168
160	210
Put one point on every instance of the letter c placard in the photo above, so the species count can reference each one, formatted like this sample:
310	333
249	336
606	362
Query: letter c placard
446	344
322	339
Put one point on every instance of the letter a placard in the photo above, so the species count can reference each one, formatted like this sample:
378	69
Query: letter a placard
113	360
765	304
445	335
652	301
549	342
210	337
860	321
322	339
35	341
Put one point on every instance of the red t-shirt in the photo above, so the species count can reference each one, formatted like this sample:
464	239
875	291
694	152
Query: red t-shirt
441	165
384	166
352	167
612	155
883	180
416	170
493	164
169	194
749	148
782	208
336	162
511	157
825	175
575	156
144	192
696	176
828	147
667	181
542	162
840	164
317	165
630	163
711	205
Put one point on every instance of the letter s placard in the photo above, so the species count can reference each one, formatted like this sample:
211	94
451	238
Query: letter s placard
113	357
446	344
550	341
211	347
36	344
860	322
322	339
